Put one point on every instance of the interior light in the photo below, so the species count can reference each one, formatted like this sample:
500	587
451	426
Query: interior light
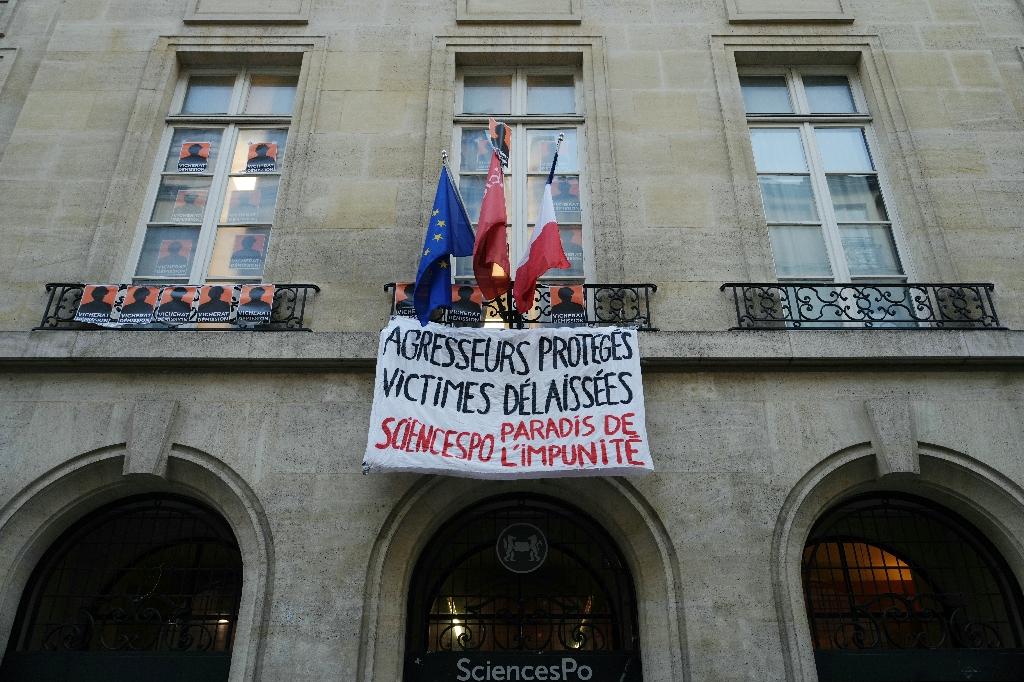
244	184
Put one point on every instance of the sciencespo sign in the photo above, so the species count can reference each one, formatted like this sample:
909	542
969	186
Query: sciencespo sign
527	403
448	666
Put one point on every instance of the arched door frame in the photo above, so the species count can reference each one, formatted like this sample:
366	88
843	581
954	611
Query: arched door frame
977	492
38	514
611	502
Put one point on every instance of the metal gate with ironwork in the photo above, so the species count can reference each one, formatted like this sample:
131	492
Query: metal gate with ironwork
145	588
522	581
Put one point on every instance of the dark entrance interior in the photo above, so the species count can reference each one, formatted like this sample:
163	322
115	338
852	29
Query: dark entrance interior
146	588
897	588
522	582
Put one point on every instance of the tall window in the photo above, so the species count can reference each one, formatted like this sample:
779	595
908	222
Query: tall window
822	193
213	197
537	104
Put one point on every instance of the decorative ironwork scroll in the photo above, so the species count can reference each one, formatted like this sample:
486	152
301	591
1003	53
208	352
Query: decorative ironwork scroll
867	305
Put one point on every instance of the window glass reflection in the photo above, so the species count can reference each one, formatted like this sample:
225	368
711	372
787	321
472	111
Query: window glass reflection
788	198
271	94
799	251
167	252
487	95
765	95
778	150
250	200
550	95
829	95
542	150
208	95
193	150
259	150
843	150
857	198
870	250
239	252
181	199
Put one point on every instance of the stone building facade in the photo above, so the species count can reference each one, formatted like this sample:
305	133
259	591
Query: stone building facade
789	142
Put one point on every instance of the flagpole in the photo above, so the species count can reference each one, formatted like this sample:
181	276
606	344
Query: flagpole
554	161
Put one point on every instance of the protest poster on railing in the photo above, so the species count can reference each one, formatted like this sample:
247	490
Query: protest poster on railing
487	403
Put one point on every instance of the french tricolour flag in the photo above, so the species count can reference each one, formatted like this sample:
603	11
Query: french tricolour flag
544	251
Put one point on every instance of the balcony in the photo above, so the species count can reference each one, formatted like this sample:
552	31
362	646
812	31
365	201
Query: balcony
287	312
863	305
621	305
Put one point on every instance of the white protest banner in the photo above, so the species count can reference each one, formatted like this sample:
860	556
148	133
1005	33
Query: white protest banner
507	403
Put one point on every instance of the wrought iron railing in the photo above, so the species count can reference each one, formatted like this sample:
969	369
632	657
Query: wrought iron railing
625	305
287	311
864	305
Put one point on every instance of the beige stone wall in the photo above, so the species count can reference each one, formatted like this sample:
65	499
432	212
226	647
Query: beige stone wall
731	449
952	90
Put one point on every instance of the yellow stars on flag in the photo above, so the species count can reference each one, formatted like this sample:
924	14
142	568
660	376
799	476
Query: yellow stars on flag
438	237
436	211
440	223
441	264
426	252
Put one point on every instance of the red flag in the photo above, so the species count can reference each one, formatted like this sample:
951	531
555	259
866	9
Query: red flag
545	252
491	247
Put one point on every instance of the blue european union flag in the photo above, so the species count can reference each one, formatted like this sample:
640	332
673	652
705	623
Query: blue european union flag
449	233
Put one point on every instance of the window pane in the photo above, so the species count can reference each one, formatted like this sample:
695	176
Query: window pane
271	94
193	150
843	150
550	95
487	95
542	149
766	95
239	252
857	198
788	198
167	252
799	251
870	250
565	195
829	95
778	150
250	200
259	150
471	187
181	199
475	154
208	95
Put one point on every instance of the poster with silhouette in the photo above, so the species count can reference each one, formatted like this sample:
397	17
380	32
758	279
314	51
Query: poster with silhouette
139	302
176	304
255	301
565	195
244	206
189	205
173	258
262	157
194	157
572	244
568	306
98	304
466	309
404	306
247	254
214	303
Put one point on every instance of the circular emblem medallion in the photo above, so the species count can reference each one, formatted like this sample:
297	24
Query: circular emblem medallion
522	548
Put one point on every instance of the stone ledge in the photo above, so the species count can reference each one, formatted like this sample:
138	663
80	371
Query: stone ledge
662	351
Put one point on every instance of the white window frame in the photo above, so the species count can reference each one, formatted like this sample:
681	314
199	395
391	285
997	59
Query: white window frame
517	205
806	122
231	124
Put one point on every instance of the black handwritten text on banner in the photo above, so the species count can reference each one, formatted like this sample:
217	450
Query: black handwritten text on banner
507	404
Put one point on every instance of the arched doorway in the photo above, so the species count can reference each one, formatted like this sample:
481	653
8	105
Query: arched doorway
145	588
522	587
897	588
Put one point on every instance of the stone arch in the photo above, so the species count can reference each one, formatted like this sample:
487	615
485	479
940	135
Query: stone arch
612	502
39	513
957	481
